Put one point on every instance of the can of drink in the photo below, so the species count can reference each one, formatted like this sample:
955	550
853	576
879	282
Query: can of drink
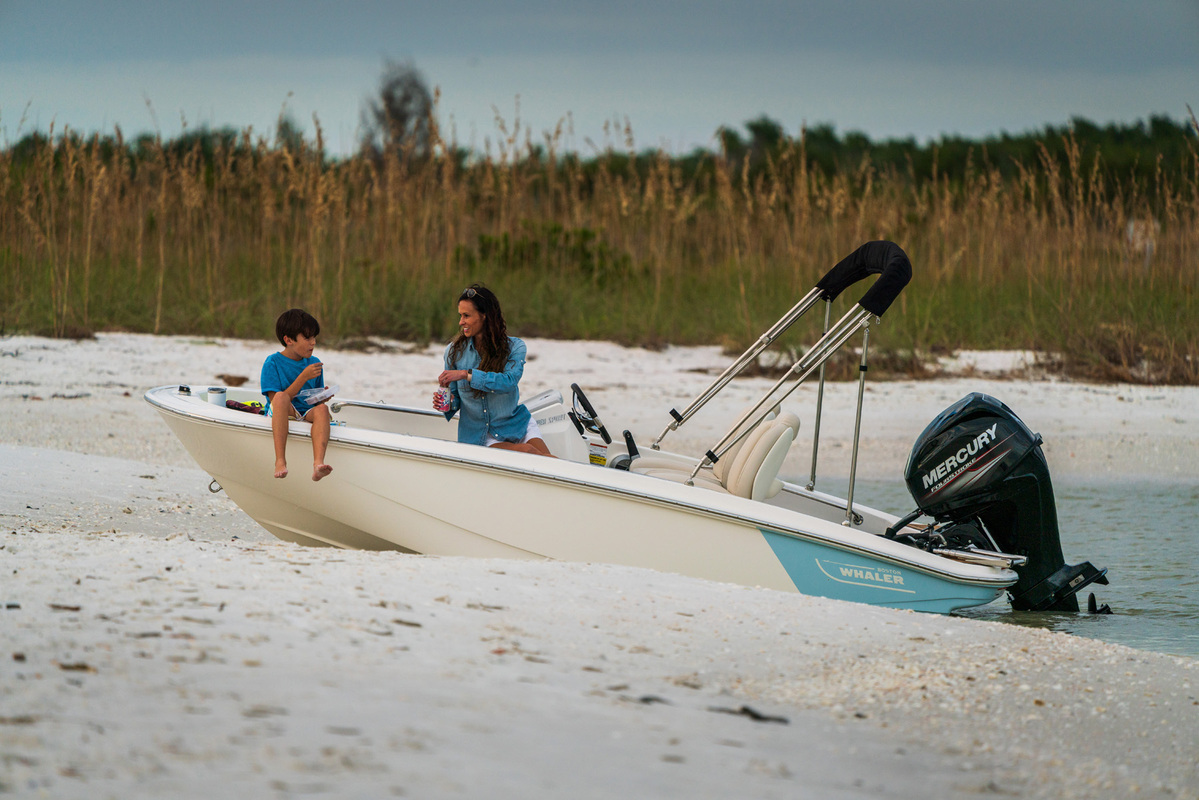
441	400
216	395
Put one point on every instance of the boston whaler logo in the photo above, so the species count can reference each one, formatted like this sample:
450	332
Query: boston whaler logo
963	458
863	575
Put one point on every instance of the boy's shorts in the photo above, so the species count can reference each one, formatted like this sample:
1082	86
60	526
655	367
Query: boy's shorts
295	409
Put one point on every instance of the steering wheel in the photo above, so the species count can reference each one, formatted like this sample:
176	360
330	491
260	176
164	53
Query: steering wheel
587	414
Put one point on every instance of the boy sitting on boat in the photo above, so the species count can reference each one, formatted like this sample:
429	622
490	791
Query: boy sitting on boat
292	381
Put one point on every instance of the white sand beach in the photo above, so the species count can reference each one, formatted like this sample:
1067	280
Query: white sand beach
158	643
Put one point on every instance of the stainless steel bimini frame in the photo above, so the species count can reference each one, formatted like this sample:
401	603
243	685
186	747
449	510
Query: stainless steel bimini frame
883	258
746	358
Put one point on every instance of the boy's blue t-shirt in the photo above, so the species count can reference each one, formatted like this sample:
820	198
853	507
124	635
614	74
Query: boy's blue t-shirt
279	372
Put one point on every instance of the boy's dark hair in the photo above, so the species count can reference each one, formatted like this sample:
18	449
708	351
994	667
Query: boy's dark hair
296	321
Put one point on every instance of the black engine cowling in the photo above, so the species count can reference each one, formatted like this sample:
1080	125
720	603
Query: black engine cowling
978	464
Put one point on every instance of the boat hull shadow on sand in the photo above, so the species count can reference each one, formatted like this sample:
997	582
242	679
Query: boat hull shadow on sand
400	474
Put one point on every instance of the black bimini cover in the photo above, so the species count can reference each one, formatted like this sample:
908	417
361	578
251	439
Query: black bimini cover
882	258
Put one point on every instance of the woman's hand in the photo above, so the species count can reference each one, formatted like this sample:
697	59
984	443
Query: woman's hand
450	375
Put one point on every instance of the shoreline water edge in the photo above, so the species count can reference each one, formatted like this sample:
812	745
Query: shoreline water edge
158	643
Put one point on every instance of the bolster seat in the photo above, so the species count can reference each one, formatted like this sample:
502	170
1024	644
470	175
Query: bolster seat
750	469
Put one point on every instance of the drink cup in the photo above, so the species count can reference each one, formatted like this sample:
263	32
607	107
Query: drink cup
441	400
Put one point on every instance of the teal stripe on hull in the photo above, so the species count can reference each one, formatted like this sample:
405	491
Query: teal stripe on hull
818	569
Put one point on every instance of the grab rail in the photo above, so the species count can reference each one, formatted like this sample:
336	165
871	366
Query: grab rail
338	405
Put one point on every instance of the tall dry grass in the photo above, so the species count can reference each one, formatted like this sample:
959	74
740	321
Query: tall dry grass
1064	258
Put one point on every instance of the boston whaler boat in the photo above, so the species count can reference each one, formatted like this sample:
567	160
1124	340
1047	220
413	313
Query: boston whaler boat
977	472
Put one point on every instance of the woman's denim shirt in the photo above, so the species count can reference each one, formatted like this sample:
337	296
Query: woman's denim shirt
498	411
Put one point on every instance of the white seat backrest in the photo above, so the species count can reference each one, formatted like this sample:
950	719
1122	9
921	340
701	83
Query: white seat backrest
720	468
791	421
754	472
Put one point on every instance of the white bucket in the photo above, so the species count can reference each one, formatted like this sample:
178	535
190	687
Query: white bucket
216	395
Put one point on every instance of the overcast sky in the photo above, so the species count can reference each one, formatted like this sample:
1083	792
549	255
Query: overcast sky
675	70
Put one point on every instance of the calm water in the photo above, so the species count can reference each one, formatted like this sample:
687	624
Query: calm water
1145	533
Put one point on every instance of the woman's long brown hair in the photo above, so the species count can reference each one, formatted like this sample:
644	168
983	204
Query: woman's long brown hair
492	343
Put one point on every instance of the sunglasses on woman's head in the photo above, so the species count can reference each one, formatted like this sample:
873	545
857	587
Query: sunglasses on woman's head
470	292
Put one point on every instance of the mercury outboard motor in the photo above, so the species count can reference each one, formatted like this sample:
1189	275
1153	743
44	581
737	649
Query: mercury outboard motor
980	473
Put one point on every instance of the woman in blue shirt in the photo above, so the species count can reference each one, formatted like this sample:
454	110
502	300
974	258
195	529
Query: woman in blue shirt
483	366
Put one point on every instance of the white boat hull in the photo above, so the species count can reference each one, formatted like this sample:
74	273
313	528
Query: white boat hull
421	493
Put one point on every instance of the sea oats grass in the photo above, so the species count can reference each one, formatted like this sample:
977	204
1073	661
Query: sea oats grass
216	235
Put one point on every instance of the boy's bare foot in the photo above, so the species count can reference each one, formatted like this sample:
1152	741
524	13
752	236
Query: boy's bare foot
280	469
320	470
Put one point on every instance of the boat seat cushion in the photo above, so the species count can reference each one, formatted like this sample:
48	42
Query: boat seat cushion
721	467
656	461
662	466
754	472
791	421
681	476
754	468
